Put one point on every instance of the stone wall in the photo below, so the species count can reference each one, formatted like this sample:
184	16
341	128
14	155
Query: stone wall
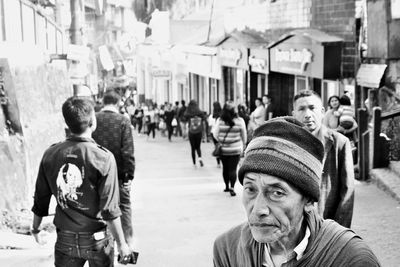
38	89
337	17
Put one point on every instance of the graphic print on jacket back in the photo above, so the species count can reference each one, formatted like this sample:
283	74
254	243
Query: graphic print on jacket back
69	179
195	125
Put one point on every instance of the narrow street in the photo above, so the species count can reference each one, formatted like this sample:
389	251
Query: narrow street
179	209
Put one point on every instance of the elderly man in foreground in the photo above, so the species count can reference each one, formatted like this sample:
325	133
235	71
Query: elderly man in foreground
280	175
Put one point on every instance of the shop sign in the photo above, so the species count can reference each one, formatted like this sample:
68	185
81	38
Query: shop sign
296	59
258	64
230	56
302	57
161	73
78	52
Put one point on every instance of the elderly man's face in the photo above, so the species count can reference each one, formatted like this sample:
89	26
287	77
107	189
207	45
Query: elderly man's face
309	110
274	208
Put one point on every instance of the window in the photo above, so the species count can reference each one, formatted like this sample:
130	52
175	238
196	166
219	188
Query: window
51	37
41	36
28	24
12	19
301	83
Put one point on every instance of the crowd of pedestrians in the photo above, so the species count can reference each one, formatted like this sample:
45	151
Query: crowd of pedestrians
91	174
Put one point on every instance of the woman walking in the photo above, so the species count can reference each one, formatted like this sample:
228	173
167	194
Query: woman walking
195	118
230	131
330	119
212	120
169	115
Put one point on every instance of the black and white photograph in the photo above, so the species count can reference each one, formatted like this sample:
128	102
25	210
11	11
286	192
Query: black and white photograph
200	133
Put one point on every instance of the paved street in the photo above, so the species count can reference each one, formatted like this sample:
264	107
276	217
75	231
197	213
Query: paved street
180	209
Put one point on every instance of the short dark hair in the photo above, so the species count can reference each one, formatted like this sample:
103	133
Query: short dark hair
183	102
111	98
345	100
78	114
305	93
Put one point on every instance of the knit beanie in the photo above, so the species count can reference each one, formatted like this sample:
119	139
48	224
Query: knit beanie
282	147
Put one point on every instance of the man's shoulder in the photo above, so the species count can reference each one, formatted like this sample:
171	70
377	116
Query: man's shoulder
232	236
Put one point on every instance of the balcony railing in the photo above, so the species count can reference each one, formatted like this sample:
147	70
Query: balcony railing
21	21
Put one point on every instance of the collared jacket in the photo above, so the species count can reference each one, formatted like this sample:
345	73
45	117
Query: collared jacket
336	200
330	244
114	132
83	178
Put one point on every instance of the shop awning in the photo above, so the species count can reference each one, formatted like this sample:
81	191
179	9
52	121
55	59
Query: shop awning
370	75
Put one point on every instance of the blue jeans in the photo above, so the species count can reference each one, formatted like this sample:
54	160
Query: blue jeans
126	210
74	249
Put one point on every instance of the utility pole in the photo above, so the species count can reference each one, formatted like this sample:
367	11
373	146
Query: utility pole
76	29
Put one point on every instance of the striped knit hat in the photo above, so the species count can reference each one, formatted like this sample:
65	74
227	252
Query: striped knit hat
282	147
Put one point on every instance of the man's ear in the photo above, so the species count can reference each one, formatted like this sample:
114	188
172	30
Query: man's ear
309	205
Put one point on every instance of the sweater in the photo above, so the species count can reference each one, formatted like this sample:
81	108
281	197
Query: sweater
235	139
330	244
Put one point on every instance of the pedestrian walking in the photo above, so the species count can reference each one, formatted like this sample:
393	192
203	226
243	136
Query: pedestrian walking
330	119
336	200
268	106
242	112
169	116
82	176
114	132
280	174
139	114
230	131
150	118
257	117
212	121
195	118
181	120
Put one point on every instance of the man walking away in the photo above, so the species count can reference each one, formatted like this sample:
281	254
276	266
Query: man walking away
114	132
83	178
182	123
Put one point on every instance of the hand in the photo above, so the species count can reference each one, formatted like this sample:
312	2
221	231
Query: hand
127	184
340	129
38	238
125	253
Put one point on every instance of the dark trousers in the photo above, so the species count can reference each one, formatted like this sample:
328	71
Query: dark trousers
126	210
139	124
74	249
229	166
195	142
170	130
151	127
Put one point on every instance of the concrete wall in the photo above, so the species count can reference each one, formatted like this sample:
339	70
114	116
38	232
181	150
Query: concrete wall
337	17
39	89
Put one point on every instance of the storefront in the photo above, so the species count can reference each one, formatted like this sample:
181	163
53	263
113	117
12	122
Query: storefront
259	68
304	59
233	57
204	76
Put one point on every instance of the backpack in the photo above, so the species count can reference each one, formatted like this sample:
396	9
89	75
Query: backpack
195	124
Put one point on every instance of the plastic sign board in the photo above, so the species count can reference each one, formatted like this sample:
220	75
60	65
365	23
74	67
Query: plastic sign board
78	52
370	75
105	58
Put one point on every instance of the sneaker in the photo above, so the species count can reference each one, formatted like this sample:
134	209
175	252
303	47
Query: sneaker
201	163
232	192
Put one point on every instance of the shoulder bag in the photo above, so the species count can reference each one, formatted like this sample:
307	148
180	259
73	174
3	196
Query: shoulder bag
218	146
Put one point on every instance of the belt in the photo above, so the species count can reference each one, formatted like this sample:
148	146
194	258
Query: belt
96	235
